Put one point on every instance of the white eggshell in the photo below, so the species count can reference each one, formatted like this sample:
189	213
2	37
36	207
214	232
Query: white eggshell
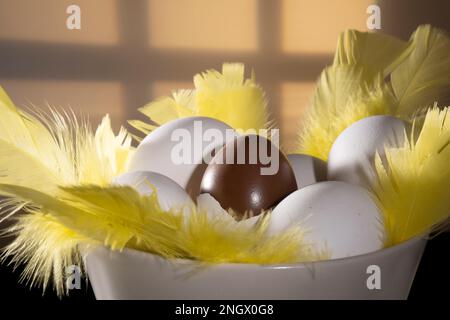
170	194
339	217
352	154
208	203
307	169
156	152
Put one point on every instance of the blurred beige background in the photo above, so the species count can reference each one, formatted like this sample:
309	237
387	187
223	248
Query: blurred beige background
130	52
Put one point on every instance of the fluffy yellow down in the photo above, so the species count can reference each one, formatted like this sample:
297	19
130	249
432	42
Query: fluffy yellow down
119	217
46	150
226	96
414	189
375	74
343	96
42	152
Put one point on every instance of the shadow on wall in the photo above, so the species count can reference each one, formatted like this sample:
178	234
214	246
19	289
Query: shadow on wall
401	17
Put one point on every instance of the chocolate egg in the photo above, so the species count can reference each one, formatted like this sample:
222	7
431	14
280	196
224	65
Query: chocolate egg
249	175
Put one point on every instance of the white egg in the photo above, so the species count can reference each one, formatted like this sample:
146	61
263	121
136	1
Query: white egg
339	217
169	193
176	149
352	154
307	169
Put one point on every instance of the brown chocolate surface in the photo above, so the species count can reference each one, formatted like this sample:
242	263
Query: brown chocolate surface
235	180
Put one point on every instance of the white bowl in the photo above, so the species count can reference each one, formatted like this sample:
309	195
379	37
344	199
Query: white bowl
132	274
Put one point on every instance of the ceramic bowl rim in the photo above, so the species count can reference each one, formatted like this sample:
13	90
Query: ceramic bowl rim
300	265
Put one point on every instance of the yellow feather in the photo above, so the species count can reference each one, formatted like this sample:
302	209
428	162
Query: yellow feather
165	109
24	131
377	52
113	216
423	77
226	96
220	240
354	87
45	248
20	168
342	96
142	127
231	98
103	156
414	189
62	145
40	153
119	217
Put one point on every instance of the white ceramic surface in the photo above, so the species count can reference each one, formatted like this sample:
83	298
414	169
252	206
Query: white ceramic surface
137	275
